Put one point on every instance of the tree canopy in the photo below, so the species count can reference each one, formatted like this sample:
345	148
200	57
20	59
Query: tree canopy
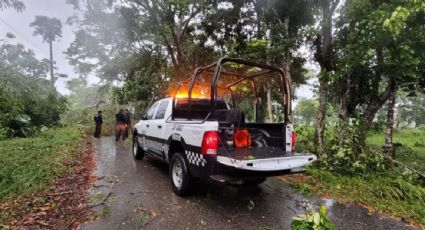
15	4
49	29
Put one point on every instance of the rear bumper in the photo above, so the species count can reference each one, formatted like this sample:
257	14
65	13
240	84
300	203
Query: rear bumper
268	164
258	168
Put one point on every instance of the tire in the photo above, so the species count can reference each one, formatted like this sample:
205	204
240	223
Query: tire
138	152
253	182
181	180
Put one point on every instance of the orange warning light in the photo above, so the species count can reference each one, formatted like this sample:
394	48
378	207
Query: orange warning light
198	91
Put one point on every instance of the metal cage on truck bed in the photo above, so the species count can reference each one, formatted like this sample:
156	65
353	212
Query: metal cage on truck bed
189	102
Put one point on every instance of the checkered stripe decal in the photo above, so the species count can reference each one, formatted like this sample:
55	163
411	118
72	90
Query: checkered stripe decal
196	158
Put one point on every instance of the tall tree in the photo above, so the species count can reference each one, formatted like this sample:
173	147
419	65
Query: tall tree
373	62
169	24
50	29
325	57
101	40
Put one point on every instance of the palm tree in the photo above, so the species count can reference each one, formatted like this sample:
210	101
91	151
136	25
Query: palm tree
50	29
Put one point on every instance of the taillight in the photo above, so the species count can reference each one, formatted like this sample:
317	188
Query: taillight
294	140
210	143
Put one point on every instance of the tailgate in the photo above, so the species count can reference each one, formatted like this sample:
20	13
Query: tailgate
268	164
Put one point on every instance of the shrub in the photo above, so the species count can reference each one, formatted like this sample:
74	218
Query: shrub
27	103
345	154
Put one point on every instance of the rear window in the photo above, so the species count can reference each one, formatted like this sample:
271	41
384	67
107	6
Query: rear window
199	110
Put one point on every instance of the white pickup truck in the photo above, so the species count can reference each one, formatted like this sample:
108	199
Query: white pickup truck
202	132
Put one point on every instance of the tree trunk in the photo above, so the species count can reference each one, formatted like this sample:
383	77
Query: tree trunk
343	109
287	57
372	108
321	113
269	104
324	56
390	121
52	77
397	118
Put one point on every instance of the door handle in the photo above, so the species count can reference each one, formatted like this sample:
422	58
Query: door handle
159	126
147	126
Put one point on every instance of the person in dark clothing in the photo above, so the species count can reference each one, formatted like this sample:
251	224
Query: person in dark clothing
120	125
98	121
127	123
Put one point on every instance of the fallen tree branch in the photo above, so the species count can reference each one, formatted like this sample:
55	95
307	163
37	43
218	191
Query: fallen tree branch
104	198
98	186
60	193
151	213
421	174
43	224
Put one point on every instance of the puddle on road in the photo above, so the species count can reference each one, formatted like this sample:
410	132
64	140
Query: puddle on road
329	203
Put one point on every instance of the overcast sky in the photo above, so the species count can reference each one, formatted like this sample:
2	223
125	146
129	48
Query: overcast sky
18	24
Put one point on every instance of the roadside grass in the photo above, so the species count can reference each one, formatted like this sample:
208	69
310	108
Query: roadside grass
409	147
387	193
30	164
391	192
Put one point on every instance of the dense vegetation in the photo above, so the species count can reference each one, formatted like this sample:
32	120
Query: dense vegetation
29	164
27	104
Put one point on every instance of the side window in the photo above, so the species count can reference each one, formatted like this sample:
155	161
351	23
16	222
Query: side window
160	113
151	111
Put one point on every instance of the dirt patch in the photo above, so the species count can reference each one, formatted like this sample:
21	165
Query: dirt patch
294	178
64	205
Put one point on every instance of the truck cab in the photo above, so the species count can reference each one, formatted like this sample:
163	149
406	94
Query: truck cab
211	127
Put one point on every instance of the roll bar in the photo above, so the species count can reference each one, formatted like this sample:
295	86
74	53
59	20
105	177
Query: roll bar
217	69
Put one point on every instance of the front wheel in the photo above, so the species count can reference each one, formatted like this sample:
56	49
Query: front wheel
138	152
180	179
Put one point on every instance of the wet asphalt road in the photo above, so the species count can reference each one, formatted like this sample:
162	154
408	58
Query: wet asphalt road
140	197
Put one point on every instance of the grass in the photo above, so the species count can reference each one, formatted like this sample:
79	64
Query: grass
387	193
412	149
30	164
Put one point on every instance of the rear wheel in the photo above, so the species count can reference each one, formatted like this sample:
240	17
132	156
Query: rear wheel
138	152
253	182
180	179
